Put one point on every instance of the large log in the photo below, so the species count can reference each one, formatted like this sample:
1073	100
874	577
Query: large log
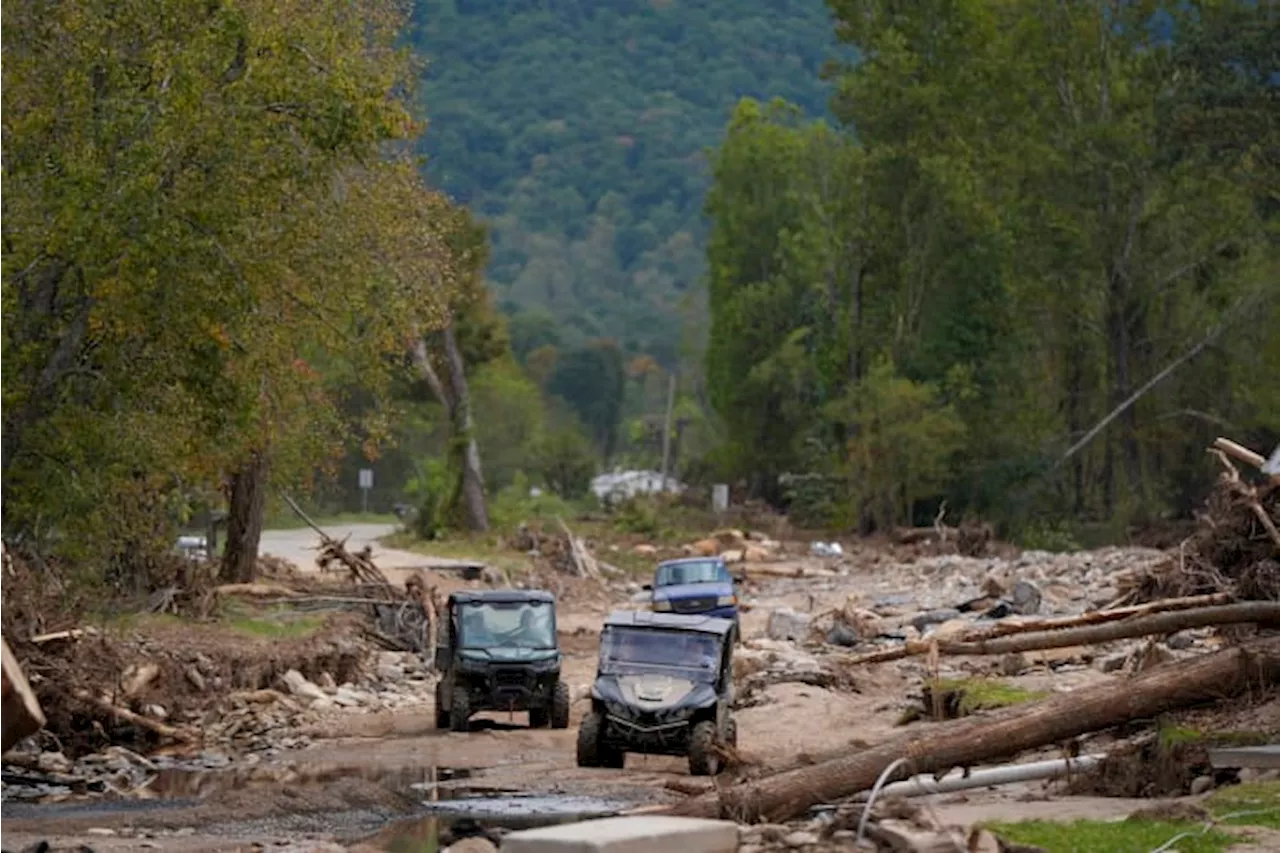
1003	734
1265	612
21	710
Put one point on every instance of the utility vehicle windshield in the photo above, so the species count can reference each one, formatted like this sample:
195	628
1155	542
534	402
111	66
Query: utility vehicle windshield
625	651
695	571
519	624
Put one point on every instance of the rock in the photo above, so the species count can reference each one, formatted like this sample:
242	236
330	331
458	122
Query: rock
53	762
993	585
787	624
952	629
733	556
326	682
755	554
800	839
1113	662
645	550
773	832
1180	641
1013	664
1025	598
933	617
299	686
390	672
705	548
193	675
99	830
842	635
349	697
474	844
900	835
1200	784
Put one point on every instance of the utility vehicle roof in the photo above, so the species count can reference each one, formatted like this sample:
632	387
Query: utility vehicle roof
681	560
669	621
501	596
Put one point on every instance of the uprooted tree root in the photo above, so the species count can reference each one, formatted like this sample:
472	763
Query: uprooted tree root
1151	768
1232	549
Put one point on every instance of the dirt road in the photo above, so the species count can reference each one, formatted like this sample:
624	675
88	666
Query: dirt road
299	546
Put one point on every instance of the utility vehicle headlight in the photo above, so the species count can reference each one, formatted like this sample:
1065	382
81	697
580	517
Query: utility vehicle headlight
662	606
727	601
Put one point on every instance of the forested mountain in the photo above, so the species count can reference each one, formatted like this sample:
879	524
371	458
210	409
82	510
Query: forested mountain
578	131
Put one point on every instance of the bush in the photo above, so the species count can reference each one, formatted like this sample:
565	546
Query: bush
565	461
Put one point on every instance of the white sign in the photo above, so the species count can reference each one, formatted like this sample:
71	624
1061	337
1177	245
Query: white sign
366	478
720	497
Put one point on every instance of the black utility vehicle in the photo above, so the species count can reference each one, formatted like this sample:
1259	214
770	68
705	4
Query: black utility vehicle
664	687
496	651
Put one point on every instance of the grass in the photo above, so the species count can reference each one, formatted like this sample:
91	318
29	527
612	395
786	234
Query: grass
1124	836
979	694
279	622
1248	804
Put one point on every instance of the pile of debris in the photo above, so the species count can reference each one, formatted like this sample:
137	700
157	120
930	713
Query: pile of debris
1236	548
172	683
737	546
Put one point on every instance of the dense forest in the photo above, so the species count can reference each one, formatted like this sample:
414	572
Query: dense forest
579	132
1031	270
1017	261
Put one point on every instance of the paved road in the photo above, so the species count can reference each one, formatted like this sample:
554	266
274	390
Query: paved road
300	547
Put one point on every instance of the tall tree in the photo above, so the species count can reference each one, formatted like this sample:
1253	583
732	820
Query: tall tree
188	221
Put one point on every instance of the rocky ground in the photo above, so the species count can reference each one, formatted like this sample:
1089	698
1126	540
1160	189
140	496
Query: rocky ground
337	749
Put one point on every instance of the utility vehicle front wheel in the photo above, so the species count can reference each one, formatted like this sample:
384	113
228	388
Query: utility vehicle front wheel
460	712
589	732
442	716
593	749
703	758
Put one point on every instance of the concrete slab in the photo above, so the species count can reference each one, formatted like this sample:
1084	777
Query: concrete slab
636	834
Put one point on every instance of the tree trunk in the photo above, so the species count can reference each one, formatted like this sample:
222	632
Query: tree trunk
972	740
248	500
472	477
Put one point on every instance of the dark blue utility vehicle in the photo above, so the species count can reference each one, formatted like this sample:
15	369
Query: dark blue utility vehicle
700	586
664	686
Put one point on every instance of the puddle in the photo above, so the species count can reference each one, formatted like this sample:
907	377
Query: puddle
182	783
488	815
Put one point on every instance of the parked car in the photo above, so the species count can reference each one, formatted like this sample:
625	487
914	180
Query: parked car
497	650
695	585
663	686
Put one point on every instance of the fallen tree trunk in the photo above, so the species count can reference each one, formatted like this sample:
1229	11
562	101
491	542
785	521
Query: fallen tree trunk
1124	629
1094	617
972	740
21	710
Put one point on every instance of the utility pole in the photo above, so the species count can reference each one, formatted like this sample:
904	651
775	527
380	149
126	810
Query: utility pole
666	428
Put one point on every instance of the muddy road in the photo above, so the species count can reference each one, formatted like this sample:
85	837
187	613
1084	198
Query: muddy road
379	779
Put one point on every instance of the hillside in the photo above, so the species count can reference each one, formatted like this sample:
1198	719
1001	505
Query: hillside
578	132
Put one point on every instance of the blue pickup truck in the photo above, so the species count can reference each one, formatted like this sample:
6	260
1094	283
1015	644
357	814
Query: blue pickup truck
695	585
